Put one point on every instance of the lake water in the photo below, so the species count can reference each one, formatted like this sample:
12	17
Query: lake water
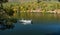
42	24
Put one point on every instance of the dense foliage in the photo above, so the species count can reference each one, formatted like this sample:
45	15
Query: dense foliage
6	14
30	6
3	1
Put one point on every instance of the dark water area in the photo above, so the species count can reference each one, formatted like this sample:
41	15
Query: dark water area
42	24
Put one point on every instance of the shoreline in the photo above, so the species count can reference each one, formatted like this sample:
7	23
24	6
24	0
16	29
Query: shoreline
57	11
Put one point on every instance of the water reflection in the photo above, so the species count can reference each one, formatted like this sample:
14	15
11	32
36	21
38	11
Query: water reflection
45	24
39	17
4	27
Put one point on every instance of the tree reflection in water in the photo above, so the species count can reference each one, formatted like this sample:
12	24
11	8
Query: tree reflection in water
4	27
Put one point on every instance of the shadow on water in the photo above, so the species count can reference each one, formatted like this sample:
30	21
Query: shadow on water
4	27
7	24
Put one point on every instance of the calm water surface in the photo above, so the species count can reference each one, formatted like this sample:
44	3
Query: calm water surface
42	24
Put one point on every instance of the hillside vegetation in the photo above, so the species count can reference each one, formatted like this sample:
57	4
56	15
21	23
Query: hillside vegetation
42	6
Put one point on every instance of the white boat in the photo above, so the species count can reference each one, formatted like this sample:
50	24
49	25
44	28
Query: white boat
25	22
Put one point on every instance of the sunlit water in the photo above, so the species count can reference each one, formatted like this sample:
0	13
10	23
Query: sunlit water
42	24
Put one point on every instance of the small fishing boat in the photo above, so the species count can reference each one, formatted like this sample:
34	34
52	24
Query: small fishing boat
25	21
